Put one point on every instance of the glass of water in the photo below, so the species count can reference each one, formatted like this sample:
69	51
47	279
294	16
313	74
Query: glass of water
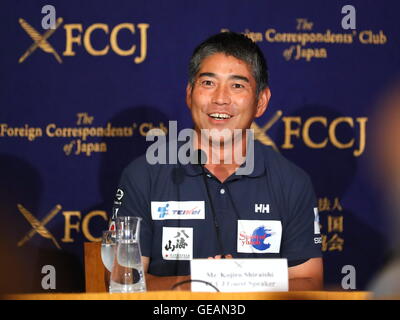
108	242
127	270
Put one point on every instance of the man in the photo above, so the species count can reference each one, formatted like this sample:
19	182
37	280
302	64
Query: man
211	210
386	166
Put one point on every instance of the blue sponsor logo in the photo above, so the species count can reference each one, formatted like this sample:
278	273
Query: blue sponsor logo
258	238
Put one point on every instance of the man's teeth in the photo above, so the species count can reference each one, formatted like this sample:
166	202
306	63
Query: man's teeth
220	116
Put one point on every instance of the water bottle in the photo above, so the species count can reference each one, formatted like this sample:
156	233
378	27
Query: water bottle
127	273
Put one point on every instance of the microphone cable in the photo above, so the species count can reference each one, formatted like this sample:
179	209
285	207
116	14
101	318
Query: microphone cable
194	280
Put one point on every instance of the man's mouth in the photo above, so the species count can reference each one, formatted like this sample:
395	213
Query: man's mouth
220	116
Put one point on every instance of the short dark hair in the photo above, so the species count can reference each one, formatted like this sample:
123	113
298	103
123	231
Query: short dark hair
236	45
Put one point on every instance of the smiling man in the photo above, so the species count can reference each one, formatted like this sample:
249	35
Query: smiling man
211	210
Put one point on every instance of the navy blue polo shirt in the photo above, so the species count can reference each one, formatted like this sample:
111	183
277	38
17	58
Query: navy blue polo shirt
269	213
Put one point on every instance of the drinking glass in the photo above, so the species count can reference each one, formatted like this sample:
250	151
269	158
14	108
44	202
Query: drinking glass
108	241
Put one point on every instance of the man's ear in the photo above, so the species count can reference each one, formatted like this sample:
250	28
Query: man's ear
189	95
262	103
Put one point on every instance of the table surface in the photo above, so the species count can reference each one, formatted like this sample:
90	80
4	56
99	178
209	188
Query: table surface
187	295
96	289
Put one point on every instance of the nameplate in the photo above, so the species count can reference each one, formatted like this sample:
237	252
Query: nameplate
239	275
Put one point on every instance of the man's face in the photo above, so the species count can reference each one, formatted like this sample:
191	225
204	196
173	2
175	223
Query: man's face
223	95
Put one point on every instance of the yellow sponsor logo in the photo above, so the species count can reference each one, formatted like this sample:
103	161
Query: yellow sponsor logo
296	128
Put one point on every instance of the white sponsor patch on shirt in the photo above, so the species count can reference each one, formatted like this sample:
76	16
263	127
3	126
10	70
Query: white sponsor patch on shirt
259	236
183	210
316	222
177	243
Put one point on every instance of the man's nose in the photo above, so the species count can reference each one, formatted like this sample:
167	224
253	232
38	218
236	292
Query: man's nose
221	95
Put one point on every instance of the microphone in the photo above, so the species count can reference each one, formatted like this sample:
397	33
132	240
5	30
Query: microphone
200	158
178	176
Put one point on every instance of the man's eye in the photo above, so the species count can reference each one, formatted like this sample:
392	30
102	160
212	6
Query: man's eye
238	86
206	83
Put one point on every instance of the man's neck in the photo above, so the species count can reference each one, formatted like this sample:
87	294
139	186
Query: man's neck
223	160
222	171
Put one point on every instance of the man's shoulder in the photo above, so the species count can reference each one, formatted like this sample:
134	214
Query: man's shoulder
143	166
278	165
292	184
137	164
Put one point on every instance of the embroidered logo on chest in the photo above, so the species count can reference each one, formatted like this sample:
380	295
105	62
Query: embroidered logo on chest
168	210
261	208
259	236
177	243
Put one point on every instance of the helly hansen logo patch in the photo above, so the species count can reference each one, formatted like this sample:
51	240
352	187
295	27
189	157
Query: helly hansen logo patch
261	208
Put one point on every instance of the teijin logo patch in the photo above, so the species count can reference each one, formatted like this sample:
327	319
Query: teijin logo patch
165	210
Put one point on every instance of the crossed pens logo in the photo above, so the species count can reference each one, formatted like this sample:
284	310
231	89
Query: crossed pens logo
79	38
39	40
38	226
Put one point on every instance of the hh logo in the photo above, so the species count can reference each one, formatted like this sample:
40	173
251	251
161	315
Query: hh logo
261	208
76	35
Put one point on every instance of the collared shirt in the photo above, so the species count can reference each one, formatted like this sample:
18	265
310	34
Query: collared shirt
188	213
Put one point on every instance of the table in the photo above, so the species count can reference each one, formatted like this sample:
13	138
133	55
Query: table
96	289
186	295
